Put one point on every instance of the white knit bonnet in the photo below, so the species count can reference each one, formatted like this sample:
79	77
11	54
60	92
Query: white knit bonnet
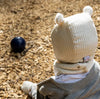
74	42
74	37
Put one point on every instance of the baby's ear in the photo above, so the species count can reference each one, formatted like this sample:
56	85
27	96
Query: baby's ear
59	19
88	9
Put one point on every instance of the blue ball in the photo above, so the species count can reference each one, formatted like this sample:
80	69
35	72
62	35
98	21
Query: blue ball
18	44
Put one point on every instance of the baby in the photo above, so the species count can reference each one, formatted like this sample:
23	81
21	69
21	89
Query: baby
77	74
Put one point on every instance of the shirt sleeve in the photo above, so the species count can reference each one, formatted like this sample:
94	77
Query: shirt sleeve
50	91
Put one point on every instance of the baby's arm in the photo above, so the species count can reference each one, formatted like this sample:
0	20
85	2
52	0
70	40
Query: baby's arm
30	89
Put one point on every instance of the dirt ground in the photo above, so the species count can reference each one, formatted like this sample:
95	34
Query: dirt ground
33	20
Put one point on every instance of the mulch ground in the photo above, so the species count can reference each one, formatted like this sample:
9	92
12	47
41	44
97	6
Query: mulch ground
33	20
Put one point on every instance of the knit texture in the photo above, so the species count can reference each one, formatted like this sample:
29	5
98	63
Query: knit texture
75	37
76	68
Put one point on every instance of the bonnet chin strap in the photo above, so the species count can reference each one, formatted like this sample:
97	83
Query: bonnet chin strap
73	68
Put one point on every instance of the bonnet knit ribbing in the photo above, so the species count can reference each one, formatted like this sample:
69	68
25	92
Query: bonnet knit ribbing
74	38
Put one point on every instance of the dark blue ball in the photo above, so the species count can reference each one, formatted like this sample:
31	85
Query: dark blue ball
18	44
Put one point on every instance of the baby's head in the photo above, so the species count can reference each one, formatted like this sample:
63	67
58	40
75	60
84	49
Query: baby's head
74	38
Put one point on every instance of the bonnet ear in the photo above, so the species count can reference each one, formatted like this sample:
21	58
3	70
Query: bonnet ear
88	9
59	19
